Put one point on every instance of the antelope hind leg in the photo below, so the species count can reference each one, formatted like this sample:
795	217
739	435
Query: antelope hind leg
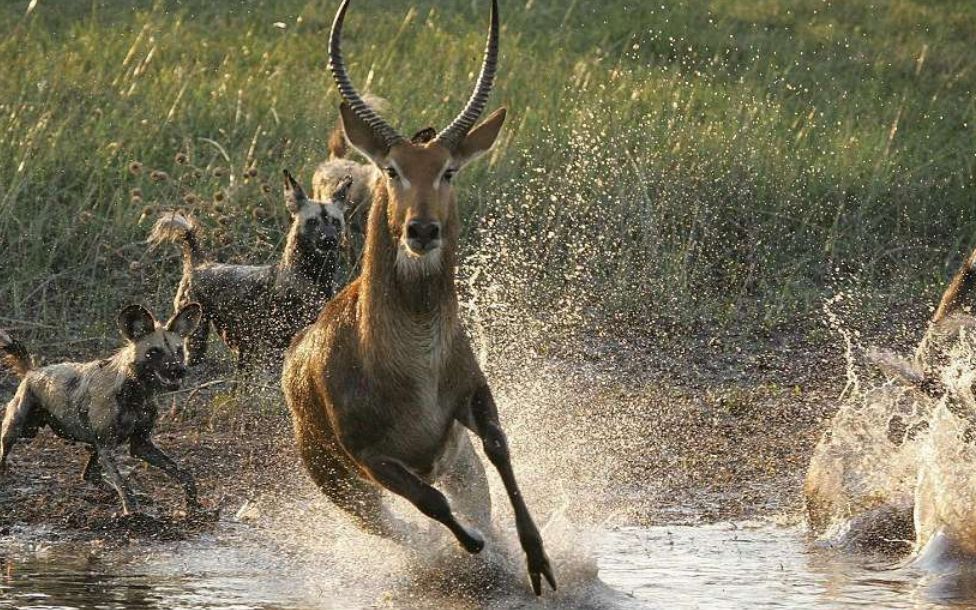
397	478
466	484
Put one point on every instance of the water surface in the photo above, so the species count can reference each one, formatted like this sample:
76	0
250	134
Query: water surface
739	565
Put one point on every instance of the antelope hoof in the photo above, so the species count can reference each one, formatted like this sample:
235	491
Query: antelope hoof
472	541
539	567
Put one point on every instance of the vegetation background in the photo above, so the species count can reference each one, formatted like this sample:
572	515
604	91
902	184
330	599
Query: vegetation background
718	162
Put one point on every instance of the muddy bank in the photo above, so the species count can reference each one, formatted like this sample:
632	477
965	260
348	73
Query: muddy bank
663	431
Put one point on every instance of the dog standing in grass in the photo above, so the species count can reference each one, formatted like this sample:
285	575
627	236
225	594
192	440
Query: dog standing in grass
104	403
257	309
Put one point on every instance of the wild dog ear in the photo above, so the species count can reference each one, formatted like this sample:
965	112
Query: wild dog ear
186	320
361	135
340	194
135	322
480	139
424	135
295	196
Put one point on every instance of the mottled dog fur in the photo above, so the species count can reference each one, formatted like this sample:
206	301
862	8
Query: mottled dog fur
257	309
104	403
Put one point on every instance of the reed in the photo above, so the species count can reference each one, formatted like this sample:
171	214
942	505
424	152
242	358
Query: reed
725	162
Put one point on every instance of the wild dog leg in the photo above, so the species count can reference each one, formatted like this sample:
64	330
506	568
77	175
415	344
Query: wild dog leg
129	504
396	477
93	471
14	418
483	421
143	448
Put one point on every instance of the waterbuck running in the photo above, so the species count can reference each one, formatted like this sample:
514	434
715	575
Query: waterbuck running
383	386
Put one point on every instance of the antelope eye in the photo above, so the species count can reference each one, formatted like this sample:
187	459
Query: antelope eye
449	174
391	172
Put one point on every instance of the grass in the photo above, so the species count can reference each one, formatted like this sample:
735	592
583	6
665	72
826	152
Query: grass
720	159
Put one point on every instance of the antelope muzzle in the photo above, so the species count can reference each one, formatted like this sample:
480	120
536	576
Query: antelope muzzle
423	236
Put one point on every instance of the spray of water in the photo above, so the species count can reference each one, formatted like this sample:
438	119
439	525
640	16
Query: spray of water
895	469
573	450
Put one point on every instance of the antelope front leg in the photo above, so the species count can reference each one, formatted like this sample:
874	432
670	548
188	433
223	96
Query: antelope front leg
143	448
397	478
483	421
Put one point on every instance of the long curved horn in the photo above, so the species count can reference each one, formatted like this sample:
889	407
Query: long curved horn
451	136
358	105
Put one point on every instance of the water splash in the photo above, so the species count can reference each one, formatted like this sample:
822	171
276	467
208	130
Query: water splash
896	470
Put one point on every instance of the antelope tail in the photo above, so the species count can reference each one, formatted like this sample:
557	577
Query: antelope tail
14	355
176	227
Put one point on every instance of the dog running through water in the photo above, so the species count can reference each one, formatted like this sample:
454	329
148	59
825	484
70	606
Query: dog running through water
104	403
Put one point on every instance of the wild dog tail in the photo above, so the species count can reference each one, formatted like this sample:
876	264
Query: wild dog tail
177	227
15	356
959	290
338	146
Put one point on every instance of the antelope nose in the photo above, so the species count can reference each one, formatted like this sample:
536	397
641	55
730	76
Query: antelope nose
421	234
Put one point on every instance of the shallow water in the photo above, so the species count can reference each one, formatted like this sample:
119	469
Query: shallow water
743	565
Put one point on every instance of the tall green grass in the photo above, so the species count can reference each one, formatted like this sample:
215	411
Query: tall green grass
719	159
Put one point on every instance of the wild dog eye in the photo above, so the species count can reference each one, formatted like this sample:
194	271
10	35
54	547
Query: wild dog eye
154	352
391	172
449	174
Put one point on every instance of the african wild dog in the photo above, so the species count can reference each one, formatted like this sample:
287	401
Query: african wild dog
339	167
257	309
384	386
104	403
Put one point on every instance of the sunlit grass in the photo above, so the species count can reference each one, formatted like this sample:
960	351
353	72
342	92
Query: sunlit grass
714	158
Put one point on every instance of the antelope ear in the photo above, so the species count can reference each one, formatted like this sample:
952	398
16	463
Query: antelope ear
480	139
361	136
295	196
186	320
135	322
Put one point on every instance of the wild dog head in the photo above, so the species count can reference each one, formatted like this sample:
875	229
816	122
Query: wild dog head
320	224
158	359
418	173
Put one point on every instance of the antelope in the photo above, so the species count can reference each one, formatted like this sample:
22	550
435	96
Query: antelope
257	309
104	403
384	385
